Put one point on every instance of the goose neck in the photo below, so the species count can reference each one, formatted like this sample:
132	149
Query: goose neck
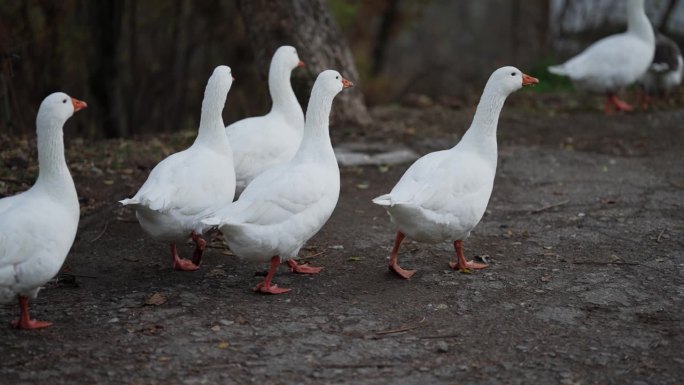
283	96
52	167
637	21
486	117
211	128
316	138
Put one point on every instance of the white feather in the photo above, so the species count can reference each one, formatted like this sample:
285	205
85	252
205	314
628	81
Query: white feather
262	142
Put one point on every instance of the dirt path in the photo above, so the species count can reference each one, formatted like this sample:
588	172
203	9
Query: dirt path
586	285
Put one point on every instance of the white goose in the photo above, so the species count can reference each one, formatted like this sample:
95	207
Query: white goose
616	61
444	194
665	73
262	142
191	184
288	204
38	226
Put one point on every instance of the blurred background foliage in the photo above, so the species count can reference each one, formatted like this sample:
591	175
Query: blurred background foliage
142	65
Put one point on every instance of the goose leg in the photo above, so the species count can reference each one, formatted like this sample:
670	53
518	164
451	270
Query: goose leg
608	107
25	322
393	265
265	286
180	263
462	264
302	268
619	105
645	99
200	244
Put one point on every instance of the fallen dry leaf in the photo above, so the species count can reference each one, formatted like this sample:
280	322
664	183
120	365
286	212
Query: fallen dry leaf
155	299
216	273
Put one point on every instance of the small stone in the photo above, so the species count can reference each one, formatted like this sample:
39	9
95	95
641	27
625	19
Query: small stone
442	347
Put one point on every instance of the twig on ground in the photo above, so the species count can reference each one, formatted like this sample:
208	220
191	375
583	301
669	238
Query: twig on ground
403	328
104	230
660	236
604	263
353	366
314	255
436	337
547	207
79	275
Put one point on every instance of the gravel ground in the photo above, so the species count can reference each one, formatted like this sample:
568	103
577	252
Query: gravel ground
586	283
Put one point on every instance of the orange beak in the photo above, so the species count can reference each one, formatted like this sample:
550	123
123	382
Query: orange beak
346	83
78	104
300	64
528	80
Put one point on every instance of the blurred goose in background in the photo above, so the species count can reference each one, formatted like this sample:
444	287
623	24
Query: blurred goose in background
288	204
262	142
616	61
38	226
189	185
665	72
444	194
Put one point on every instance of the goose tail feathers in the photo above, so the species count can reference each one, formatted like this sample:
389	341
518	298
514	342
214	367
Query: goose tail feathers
383	200
558	70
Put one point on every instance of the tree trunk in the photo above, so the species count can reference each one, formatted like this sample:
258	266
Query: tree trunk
666	16
106	16
389	17
308	26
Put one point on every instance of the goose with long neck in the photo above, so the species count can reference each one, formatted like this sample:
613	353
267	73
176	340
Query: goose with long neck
444	194
262	142
614	62
288	204
38	227
191	184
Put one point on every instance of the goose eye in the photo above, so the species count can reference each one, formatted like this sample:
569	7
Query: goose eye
64	101
512	73
337	77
